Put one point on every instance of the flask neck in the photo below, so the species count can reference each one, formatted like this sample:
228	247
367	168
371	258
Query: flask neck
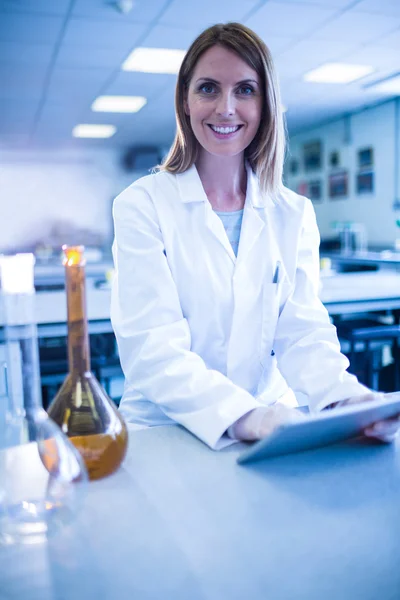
23	370
78	337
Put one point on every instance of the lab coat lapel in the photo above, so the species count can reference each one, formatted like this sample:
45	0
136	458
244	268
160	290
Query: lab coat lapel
253	222
191	190
216	226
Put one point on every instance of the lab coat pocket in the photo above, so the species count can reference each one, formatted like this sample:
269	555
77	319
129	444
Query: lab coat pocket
270	314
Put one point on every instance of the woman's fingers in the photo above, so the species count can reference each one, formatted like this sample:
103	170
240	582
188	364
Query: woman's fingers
386	430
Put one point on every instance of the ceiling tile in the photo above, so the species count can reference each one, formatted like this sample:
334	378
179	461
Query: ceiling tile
10	109
376	76
91	33
18	53
76	84
324	3
279	44
309	54
139	84
44	7
360	27
376	56
98	57
166	36
293	20
23	83
26	28
61	110
143	11
391	41
390	8
182	13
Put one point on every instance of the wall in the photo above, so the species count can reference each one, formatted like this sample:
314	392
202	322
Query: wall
58	195
374	127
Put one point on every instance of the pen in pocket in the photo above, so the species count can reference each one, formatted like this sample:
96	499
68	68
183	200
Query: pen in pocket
277	273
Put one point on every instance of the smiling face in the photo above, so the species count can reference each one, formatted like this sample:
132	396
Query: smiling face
224	102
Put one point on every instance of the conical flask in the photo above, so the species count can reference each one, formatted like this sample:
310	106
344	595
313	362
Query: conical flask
81	407
41	473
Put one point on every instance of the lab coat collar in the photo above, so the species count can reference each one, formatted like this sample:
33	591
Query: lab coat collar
191	189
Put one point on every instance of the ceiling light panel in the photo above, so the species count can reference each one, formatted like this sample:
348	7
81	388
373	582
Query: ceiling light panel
154	60
338	73
388	86
119	104
93	131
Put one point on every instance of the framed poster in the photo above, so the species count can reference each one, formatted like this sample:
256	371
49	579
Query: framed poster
315	190
338	185
312	156
365	158
302	188
365	182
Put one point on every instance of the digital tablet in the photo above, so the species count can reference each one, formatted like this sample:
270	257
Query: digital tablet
324	428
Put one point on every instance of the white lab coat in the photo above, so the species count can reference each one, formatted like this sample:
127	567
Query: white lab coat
201	334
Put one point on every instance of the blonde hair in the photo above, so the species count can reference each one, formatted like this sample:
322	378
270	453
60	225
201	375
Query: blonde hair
265	153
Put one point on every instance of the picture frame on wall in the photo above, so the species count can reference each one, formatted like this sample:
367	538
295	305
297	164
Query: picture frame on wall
302	188
365	178
338	185
312	156
365	158
365	182
315	190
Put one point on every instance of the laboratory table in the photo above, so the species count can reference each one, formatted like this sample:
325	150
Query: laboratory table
348	293
179	521
379	259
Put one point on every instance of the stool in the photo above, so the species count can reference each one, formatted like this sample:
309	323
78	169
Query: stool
371	332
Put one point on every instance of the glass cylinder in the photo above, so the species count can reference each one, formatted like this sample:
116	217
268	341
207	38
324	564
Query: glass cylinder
81	407
39	468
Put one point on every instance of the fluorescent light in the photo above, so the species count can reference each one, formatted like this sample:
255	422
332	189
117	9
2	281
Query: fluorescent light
119	104
154	60
389	86
338	73
94	131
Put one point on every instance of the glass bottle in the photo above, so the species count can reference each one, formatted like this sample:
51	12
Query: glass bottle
81	407
41	473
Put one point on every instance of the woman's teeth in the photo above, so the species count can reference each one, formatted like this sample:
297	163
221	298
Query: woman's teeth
224	129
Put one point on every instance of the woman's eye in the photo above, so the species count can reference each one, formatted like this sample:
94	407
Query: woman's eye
246	90
207	88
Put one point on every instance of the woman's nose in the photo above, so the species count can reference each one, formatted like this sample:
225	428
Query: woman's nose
226	105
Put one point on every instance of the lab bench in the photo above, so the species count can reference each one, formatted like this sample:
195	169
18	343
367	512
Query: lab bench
366	260
180	521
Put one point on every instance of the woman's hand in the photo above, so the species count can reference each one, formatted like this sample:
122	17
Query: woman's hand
261	422
386	430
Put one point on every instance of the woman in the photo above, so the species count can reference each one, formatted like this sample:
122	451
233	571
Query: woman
215	299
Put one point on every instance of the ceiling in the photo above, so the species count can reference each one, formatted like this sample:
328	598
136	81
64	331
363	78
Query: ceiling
57	56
